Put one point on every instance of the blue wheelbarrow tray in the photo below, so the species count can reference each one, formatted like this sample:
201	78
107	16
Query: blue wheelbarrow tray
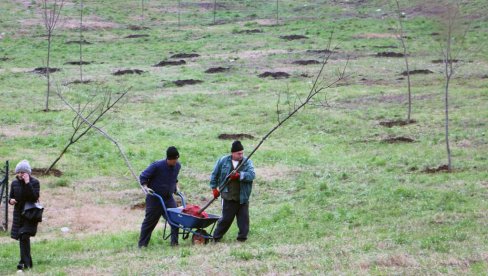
183	220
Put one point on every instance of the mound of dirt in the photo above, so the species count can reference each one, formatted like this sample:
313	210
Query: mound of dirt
84	42
417	72
305	75
127	71
138	206
137	36
442	61
217	70
170	63
441	168
181	83
386	47
275	75
78	62
4	59
434	34
79	82
389	54
137	28
397	123
293	37
400	139
324	51
183	55
42	172
238	136
253	31
306	62
44	70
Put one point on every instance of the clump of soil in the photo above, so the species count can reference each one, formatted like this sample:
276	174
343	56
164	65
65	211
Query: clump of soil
397	123
238	136
275	75
170	63
253	31
44	70
4	59
484	77
324	51
84	42
386	47
42	172
217	70
293	37
442	168
138	206
184	55
137	36
306	62
181	83
416	72
442	61
78	62
127	71
434	34
389	54
137	28
400	139
305	75
79	82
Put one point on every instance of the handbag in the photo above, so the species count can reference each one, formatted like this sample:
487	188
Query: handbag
33	211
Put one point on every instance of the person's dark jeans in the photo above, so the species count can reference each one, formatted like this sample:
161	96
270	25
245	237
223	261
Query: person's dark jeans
25	252
230	210
151	219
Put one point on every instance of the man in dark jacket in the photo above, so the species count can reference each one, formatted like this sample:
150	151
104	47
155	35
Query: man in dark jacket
235	196
24	188
162	177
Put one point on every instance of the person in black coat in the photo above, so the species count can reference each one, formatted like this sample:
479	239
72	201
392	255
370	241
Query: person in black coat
24	188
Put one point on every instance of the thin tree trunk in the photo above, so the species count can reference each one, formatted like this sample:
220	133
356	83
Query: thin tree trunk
446	100
404	46
215	10
81	41
47	70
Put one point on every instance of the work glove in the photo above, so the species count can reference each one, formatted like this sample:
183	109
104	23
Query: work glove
235	176
216	193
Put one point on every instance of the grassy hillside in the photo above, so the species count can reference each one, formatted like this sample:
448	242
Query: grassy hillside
335	192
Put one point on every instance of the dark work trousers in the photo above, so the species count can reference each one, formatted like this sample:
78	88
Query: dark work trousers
153	214
25	251
231	209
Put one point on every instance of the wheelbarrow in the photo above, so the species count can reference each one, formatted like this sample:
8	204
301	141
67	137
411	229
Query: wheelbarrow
187	223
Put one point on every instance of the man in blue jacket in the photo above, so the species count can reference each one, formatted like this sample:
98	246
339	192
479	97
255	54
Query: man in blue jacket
162	177
235	196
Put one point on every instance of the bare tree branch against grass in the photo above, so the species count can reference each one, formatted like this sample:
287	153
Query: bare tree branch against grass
95	108
51	13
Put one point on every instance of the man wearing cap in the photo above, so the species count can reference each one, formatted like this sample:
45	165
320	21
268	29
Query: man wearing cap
235	196
162	177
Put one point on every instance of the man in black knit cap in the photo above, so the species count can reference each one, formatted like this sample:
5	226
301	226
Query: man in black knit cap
235	196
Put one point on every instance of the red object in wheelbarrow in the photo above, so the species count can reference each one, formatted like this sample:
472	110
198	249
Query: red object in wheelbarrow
188	223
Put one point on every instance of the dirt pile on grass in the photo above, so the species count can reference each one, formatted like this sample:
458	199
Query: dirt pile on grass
127	72
44	70
170	63
275	75
293	37
417	72
137	36
185	55
393	123
306	62
214	70
238	136
42	172
389	54
181	83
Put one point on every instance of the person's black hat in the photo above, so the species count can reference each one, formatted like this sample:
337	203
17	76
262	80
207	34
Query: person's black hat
236	146
172	153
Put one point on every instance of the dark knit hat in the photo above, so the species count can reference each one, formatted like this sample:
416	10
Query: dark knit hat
172	153
236	146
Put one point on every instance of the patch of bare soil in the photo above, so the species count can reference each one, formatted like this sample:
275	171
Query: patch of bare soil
127	71
401	260
252	31
323	51
305	75
185	55
386	47
214	70
42	172
393	123
137	36
417	72
399	139
44	70
293	37
375	35
137	28
78	62
442	61
273	173
239	136
79	82
485	77
83	42
389	54
170	63
275	75
440	169
181	83
306	62
5	59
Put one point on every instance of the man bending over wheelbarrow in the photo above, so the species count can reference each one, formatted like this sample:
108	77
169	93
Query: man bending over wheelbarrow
235	196
162	177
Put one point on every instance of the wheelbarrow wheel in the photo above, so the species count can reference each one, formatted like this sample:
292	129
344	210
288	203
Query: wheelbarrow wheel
199	237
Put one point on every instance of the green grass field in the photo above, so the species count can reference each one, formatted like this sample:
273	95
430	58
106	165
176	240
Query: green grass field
331	196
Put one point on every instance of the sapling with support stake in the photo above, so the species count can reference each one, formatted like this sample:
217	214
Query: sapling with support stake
318	86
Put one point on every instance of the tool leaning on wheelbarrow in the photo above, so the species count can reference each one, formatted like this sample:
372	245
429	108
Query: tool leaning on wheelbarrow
188	223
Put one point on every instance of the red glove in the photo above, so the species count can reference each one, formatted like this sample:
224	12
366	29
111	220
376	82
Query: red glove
216	193
235	176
